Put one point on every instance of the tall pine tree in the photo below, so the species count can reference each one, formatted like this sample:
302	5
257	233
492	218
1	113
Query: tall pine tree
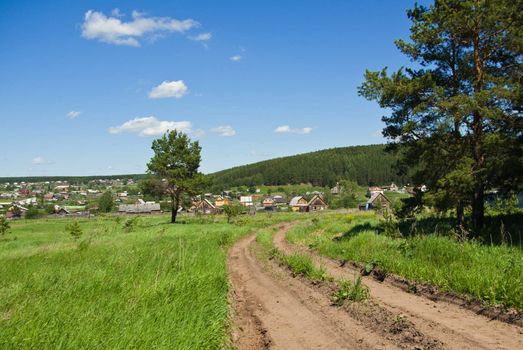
456	115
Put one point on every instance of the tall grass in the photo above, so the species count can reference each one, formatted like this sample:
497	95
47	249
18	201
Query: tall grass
493	274
156	286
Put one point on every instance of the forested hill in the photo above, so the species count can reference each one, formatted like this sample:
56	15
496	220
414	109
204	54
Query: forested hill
364	164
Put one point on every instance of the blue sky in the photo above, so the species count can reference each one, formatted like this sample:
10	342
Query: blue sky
85	86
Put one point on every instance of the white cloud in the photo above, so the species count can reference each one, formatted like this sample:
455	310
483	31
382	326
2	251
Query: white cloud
150	126
285	129
168	89
73	114
113	30
225	130
201	37
235	58
40	161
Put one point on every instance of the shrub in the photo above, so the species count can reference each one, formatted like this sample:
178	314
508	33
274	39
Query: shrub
130	224
74	229
4	226
32	213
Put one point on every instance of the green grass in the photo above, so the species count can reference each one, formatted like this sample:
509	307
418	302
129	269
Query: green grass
493	274
159	286
300	264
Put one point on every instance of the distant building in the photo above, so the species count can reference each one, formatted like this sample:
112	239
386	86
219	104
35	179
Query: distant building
279	200
298	203
145	208
205	207
221	201
336	189
246	201
317	203
268	203
377	200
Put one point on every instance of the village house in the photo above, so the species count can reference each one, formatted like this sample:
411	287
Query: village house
140	208
268	203
336	189
298	203
279	200
205	207
246	201
220	201
377	200
317	203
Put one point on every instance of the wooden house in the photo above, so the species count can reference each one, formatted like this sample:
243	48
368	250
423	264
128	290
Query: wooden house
205	207
268	203
317	203
221	201
298	203
377	200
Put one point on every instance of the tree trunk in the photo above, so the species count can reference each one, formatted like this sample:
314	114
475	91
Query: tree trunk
460	215
478	205
478	208
174	208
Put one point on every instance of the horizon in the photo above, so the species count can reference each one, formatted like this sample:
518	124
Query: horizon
87	85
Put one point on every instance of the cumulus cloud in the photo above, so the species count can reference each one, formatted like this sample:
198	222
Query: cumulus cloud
168	89
236	58
73	114
285	129
40	161
150	126
225	130
113	30
201	37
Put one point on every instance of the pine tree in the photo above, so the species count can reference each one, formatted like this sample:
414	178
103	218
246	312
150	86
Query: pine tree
457	115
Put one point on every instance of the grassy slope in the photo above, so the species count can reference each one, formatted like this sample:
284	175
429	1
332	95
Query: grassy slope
490	273
160	286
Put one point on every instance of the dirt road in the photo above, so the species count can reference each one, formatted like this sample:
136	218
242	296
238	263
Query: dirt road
278	312
452	325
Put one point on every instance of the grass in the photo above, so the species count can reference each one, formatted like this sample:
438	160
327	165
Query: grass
493	274
356	291
299	264
156	286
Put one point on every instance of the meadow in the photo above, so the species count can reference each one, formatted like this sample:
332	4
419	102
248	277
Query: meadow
146	285
490	273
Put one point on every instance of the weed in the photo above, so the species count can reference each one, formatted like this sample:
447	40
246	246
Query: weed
348	290
130	224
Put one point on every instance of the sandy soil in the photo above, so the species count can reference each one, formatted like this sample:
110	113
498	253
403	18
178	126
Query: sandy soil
272	309
452	325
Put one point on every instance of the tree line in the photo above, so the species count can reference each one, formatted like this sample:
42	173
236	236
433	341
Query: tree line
362	164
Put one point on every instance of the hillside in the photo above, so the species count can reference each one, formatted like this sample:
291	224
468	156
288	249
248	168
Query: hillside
364	164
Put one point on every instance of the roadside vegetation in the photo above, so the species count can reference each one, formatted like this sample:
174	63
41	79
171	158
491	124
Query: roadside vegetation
490	273
113	283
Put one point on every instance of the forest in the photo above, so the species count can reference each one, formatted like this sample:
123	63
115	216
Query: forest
366	165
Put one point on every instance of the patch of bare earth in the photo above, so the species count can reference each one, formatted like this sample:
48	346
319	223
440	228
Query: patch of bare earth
450	324
271	309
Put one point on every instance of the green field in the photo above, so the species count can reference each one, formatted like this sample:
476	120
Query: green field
165	286
159	286
493	274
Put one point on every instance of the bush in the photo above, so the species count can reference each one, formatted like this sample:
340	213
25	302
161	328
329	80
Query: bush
32	213
130	224
4	226
74	229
